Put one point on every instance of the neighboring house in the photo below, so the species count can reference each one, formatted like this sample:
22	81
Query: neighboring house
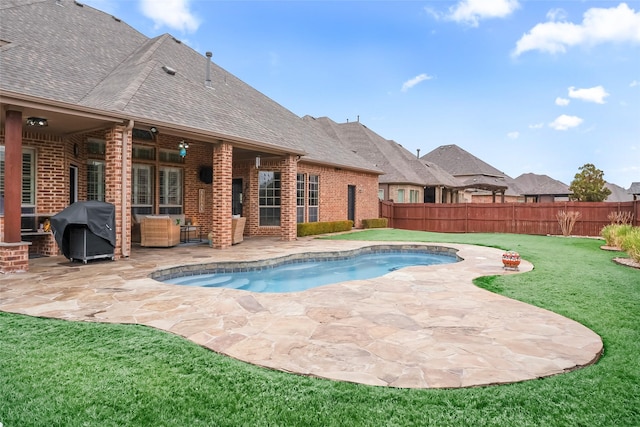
406	178
634	190
94	110
542	188
482	183
618	194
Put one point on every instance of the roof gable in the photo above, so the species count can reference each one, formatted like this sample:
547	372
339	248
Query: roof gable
533	184
459	162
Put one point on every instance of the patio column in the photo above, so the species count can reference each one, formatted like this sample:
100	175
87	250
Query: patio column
222	204
118	177
288	217
12	176
14	254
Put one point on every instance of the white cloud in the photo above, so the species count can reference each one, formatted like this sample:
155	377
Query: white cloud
565	122
634	83
563	102
414	81
594	94
472	11
536	126
556	14
616	24
171	13
513	135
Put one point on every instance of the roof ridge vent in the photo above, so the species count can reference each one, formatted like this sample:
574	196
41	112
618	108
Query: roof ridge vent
116	19
176	40
77	3
169	70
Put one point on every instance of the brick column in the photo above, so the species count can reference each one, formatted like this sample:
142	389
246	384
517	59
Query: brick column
114	181
288	218
222	179
14	257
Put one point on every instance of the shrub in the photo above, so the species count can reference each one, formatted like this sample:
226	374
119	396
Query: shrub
620	217
614	234
567	220
608	234
374	223
631	243
311	228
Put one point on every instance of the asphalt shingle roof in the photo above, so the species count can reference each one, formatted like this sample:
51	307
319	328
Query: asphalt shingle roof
79	55
399	165
470	170
534	184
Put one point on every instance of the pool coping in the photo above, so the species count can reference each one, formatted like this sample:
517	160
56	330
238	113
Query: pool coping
226	267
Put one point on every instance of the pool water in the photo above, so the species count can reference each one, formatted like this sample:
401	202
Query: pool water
295	277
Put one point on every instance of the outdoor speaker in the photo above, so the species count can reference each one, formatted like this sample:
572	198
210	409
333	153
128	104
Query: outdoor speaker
206	174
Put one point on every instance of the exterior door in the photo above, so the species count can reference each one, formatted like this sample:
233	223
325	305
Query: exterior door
73	184
351	210
236	196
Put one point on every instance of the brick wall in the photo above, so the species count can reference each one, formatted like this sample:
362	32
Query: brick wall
333	192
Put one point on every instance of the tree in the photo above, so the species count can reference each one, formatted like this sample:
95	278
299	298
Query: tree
588	185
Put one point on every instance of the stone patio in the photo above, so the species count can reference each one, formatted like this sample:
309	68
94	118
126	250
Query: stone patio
418	327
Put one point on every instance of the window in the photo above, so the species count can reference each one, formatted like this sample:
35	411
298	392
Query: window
141	152
380	194
170	156
300	197
269	198
170	191
28	198
314	197
95	180
413	196
96	147
141	189
400	196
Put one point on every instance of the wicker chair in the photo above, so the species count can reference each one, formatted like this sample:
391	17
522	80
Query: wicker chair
159	231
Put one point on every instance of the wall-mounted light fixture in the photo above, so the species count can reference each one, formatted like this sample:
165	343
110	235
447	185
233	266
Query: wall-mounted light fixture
257	162
182	146
37	121
153	130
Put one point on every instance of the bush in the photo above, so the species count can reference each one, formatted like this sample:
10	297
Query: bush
374	223
631	243
312	228
614	234
567	220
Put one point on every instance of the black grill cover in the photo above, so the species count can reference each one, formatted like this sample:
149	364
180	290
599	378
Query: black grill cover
98	217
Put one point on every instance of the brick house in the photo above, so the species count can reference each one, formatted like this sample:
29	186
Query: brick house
94	110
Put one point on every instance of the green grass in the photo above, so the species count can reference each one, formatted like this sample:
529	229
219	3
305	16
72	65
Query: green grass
58	373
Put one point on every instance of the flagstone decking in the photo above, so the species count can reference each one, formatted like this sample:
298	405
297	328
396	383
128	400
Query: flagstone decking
418	327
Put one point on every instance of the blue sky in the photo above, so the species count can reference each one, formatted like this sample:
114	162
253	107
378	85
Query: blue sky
527	86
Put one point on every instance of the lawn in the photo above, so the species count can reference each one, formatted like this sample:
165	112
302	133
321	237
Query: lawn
58	373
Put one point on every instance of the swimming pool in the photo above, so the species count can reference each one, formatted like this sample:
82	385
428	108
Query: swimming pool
293	274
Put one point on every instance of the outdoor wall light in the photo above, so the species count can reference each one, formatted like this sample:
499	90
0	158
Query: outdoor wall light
182	146
257	162
153	130
37	121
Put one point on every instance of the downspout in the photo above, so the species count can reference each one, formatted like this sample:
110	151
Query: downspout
125	150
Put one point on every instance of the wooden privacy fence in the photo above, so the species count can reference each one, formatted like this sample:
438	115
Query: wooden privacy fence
519	218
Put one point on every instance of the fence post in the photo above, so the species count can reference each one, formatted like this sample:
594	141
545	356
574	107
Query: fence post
466	217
